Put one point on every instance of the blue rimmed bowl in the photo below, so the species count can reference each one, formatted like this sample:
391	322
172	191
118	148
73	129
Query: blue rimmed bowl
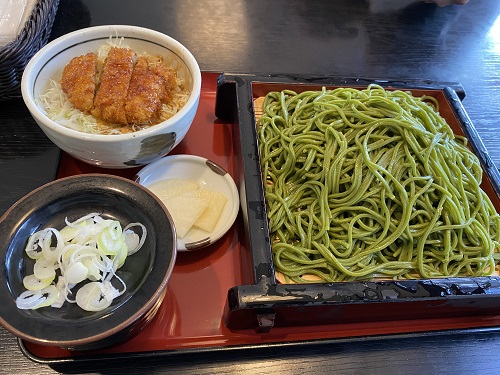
122	150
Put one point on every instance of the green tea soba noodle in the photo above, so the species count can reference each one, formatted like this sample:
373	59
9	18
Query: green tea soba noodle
364	184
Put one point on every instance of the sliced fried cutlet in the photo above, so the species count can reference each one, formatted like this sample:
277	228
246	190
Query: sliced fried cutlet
109	102
169	81
79	81
144	98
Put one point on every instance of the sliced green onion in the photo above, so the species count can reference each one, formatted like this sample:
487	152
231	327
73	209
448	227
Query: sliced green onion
133	241
90	248
35	299
110	240
31	282
45	269
95	296
76	272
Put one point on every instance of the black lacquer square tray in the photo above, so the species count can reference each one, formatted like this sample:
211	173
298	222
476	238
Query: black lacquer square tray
267	303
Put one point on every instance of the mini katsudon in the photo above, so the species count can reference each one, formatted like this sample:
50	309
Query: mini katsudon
114	91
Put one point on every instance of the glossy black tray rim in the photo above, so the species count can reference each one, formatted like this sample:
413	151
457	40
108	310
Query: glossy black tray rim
266	304
97	361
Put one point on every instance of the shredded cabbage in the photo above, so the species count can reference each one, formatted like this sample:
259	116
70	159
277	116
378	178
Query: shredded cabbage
88	250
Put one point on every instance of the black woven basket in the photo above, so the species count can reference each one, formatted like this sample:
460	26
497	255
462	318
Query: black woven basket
15	55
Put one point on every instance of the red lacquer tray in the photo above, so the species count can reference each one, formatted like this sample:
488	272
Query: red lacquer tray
191	316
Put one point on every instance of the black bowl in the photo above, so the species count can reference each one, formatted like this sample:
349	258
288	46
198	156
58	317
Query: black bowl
145	273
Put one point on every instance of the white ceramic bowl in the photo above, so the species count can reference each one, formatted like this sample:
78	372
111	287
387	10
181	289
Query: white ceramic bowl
111	151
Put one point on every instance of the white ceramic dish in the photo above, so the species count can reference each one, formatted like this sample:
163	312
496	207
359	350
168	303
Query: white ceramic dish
112	151
209	175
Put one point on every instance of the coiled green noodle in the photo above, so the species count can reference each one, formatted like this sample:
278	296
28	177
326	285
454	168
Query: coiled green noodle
370	183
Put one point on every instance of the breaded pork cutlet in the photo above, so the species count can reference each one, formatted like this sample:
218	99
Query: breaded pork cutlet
144	98
79	81
109	102
169	81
